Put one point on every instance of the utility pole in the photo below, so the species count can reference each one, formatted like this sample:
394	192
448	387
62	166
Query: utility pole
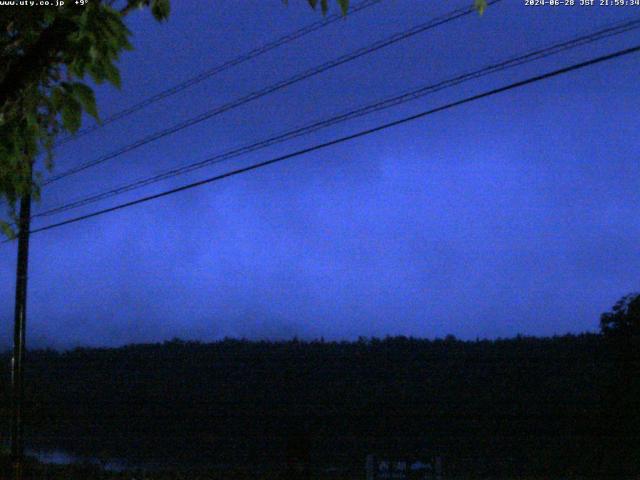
19	329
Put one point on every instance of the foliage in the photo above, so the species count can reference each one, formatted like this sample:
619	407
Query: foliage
621	396
324	5
46	55
480	5
512	405
623	322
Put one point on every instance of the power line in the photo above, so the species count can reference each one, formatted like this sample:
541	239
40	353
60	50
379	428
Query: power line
256	52
611	30
272	88
359	134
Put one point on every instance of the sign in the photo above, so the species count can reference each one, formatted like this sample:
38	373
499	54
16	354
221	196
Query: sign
380	467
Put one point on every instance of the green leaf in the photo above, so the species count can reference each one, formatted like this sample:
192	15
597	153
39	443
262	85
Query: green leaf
7	230
71	114
96	73
59	96
32	120
313	3
344	5
77	67
112	73
160	9
49	15
325	6
86	97
481	5
35	192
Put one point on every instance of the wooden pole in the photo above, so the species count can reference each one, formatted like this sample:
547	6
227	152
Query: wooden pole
19	337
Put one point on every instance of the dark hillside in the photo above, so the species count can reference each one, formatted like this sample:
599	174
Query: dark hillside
526	404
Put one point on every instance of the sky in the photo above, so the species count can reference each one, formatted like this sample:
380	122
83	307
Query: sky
513	214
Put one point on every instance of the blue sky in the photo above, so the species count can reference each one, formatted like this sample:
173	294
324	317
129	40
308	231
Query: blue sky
514	214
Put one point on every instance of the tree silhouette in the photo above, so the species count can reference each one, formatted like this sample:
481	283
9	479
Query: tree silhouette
620	427
624	321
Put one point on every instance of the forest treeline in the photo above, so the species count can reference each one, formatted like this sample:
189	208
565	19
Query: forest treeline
516	405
